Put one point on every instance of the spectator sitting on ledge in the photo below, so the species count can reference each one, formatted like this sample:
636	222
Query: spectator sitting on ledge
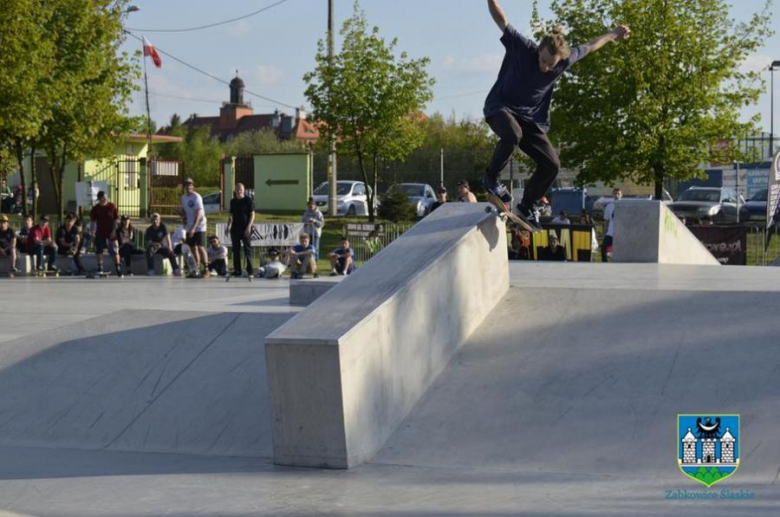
341	260
553	252
302	258
8	243
562	219
158	242
22	244
43	244
217	256
273	267
69	243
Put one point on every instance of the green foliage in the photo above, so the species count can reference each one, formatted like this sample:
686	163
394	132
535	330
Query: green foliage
655	106
708	476
261	142
395	207
200	152
368	99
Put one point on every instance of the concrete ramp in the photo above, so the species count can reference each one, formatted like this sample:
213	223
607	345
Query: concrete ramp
588	382
345	371
647	231
135	380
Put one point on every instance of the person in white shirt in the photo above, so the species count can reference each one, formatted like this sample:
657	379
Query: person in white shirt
609	223
192	206
217	257
562	219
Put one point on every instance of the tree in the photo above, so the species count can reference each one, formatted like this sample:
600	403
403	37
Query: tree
657	105
200	153
368	100
264	141
91	84
24	88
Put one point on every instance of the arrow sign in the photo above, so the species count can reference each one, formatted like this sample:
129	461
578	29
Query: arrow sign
271	182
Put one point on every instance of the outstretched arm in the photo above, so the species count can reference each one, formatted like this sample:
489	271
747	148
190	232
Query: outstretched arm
498	14
619	32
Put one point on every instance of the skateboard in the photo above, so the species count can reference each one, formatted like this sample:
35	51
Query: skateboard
186	251
228	277
502	211
45	273
99	274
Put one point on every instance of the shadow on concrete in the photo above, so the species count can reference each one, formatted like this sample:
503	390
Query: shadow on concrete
149	381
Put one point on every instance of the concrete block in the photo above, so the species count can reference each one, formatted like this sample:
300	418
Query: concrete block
24	264
648	232
304	292
345	372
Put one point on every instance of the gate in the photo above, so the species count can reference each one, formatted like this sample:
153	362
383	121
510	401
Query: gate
124	185
165	178
245	173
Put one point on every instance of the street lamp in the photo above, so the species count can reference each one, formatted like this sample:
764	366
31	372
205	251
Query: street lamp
775	66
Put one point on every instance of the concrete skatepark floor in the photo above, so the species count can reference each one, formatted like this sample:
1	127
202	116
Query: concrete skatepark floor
562	403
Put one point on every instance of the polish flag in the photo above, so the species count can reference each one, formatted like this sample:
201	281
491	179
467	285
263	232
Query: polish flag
149	50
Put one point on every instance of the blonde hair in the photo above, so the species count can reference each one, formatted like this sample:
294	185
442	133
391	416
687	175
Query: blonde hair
555	43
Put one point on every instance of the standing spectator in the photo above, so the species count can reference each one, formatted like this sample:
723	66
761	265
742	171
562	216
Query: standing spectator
441	197
553	252
42	243
373	243
8	243
273	267
562	219
125	235
465	195
6	197
240	225
22	244
69	243
192	204
313	222
158	242
217	257
342	260
302	258
609	224
104	216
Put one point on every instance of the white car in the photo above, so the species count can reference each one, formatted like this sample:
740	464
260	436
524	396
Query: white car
211	203
350	195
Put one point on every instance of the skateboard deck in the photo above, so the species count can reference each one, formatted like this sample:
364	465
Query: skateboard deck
99	274
46	273
228	277
505	213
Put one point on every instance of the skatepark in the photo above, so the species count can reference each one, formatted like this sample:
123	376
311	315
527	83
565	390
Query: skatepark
440	379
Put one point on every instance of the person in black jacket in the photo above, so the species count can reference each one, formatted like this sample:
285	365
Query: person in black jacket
240	225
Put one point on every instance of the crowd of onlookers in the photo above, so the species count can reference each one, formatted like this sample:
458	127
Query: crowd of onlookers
106	232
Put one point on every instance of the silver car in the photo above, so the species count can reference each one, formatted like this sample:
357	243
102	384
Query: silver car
421	196
714	203
350	195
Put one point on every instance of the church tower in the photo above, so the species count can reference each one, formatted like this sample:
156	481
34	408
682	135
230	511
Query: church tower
689	447
727	447
236	109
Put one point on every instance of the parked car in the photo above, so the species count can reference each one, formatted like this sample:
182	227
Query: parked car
716	203
755	208
350	195
211	203
421	196
601	203
570	200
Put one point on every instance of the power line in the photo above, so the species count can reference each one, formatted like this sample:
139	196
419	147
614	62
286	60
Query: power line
195	99
212	76
212	24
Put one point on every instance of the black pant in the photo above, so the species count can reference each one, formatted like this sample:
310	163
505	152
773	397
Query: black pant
126	251
219	266
513	132
74	255
165	252
241	241
606	243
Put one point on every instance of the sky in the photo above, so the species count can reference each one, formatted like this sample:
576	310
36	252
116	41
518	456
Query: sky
274	49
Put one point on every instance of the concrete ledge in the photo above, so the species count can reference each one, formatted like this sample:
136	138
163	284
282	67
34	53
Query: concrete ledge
647	231
345	372
304	292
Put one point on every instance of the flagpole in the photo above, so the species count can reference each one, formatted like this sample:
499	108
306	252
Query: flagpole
148	112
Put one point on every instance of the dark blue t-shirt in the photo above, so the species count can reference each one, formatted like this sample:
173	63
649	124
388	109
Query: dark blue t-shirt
342	260
522	88
298	248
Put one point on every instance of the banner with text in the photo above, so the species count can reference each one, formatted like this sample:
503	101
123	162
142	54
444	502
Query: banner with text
728	244
267	234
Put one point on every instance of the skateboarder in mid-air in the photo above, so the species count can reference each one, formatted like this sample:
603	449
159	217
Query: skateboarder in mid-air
517	109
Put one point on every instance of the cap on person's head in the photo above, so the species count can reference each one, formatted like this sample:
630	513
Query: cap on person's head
44	218
442	189
3	218
463	184
187	181
155	216
101	194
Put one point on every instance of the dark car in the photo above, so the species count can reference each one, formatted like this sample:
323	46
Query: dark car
755	208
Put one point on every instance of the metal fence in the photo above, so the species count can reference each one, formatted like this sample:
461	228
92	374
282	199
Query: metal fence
368	239
758	253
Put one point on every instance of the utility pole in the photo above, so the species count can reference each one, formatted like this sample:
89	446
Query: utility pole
775	66
441	183
332	163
